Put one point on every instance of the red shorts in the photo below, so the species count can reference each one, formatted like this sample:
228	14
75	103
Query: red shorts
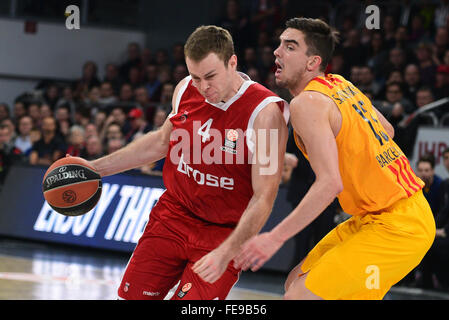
170	245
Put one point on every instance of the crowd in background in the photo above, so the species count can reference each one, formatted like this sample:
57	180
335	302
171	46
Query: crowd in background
401	67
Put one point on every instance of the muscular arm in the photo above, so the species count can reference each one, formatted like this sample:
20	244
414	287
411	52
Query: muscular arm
266	174
310	114
149	148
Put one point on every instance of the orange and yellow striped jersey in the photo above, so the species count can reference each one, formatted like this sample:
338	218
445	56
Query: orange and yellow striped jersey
374	170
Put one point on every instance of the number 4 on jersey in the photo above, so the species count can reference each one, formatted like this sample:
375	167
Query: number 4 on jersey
203	131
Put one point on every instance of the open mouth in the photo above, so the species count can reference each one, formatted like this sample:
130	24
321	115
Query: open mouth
278	67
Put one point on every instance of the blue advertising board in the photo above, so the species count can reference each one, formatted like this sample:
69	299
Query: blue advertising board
116	222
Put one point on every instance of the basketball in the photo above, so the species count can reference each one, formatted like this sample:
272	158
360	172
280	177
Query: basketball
71	186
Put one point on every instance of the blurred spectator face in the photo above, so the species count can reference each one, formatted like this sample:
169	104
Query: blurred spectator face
411	75
423	97
161	57
376	41
19	110
389	24
111	72
253	74
159	118
10	126
178	53
353	38
133	51
25	126
141	96
395	76
232	9
114	132
4	135
62	114
355	75
179	73
164	76
134	75
34	111
250	55
93	146
401	34
136	119
52	92
446	160
151	72
91	130
45	111
337	63
417	23
441	37
425	172
114	145
423	53
48	126
147	56
67	94
118	115
77	137
263	39
397	57
89	70
106	90
94	94
394	93
267	56
100	118
126	93
366	76
4	111
35	135
167	92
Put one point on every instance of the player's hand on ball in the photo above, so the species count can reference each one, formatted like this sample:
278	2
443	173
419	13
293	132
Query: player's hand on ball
256	251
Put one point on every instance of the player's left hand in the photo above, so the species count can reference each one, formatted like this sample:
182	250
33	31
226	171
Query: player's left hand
256	251
212	266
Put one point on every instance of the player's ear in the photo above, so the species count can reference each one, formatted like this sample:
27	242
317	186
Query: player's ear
232	62
313	63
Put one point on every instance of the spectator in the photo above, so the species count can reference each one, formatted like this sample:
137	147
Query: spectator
367	82
179	72
441	44
45	111
112	75
147	57
11	130
112	130
35	114
144	103
395	106
23	140
90	130
354	75
50	147
76	140
427	67
159	118
353	51
432	188
376	54
89	76
4	111
152	83
389	31
442	82
441	13
249	59
162	60
412	81
107	95
100	119
67	99
93	149
138	124
62	116
126	93
418	32
93	98
236	23
134	77
166	96
133	60
4	153
396	61
114	145
18	111
177	56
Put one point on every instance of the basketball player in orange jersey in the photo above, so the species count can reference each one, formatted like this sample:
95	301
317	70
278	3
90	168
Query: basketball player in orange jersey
220	182
350	147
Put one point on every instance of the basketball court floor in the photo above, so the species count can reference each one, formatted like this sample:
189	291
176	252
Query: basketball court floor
42	271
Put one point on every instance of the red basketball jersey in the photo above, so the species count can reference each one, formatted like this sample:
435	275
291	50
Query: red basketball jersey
207	169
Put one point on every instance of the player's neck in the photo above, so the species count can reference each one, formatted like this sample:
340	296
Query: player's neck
236	85
304	81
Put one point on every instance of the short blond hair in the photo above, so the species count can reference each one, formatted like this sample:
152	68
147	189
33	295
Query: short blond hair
209	39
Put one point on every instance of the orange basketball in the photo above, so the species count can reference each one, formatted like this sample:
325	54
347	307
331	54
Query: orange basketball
71	186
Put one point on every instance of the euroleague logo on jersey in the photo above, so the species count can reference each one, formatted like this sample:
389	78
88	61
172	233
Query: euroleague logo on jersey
230	141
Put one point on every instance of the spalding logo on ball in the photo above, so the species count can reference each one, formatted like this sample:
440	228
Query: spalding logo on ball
71	186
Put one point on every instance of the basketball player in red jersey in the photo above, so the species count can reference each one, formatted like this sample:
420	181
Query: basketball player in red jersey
221	181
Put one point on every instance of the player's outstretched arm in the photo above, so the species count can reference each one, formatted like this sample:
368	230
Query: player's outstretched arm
268	159
310	117
149	148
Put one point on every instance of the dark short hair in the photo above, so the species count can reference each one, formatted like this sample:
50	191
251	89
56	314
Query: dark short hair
445	150
428	157
319	37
